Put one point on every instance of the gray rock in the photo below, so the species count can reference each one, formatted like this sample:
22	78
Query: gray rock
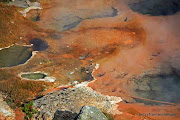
64	115
5	110
91	113
20	3
72	99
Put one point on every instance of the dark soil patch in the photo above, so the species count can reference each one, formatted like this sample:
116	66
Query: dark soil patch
86	73
38	44
36	18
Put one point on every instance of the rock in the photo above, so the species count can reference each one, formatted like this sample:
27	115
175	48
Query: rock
64	115
20	3
150	58
100	75
84	56
125	19
47	116
5	110
26	5
73	99
156	54
91	113
49	79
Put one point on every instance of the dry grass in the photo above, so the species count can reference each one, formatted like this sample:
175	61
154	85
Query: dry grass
8	25
5	1
13	26
18	91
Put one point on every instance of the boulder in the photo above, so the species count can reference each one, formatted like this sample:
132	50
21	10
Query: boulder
6	113
91	113
64	115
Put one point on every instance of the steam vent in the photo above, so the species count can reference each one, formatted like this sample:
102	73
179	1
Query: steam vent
89	60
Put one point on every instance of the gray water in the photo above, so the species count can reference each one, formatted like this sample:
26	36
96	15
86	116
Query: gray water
161	87
156	7
111	13
14	55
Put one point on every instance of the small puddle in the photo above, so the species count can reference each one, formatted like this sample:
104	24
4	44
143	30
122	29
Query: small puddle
33	76
14	55
37	76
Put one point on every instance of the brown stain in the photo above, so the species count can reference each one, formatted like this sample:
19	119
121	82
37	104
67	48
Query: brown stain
95	38
18	114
